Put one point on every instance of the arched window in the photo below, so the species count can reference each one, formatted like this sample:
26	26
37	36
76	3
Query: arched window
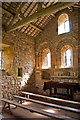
46	59
66	57
63	24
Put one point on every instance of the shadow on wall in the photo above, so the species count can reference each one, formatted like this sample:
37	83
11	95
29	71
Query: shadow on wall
30	85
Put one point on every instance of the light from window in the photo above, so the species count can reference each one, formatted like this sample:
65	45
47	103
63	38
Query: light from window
66	58
0	60
63	24
46	60
49	60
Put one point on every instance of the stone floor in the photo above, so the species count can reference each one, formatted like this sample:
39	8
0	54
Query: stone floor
21	113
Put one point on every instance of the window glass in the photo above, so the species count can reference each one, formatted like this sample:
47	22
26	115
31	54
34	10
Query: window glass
68	60
46	59
63	24
66	57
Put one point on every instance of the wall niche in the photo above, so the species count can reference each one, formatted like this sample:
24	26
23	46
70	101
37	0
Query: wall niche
19	72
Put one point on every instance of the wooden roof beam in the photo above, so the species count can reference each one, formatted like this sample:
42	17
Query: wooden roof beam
7	42
35	27
18	11
47	11
7	11
39	5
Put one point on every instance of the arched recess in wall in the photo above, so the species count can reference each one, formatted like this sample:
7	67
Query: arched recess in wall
44	56
46	59
64	47
63	23
66	56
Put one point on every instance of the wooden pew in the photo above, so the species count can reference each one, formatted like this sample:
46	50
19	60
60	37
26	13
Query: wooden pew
49	104
56	100
55	116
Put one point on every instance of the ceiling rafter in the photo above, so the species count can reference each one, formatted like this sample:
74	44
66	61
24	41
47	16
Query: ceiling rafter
47	11
25	11
35	32
29	31
42	20
18	12
38	21
35	27
32	33
31	9
9	7
34	9
7	11
44	5
25	28
46	21
39	5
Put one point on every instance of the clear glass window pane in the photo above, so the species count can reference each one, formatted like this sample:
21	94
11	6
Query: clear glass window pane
49	60
46	60
63	24
68	60
66	56
67	28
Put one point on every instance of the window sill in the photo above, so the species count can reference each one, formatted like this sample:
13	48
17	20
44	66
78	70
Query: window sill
46	69
63	33
65	67
65	77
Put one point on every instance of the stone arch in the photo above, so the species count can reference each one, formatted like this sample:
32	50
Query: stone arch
39	51
66	56
63	23
64	42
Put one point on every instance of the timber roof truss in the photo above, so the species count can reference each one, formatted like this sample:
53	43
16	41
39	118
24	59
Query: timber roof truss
30	17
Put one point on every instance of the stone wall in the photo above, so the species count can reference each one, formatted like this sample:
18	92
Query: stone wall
49	38
10	85
7	59
23	57
20	54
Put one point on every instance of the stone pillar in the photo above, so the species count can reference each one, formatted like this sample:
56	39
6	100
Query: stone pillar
40	60
53	60
37	60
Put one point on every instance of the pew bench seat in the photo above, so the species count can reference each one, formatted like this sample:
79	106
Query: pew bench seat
48	104
32	109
